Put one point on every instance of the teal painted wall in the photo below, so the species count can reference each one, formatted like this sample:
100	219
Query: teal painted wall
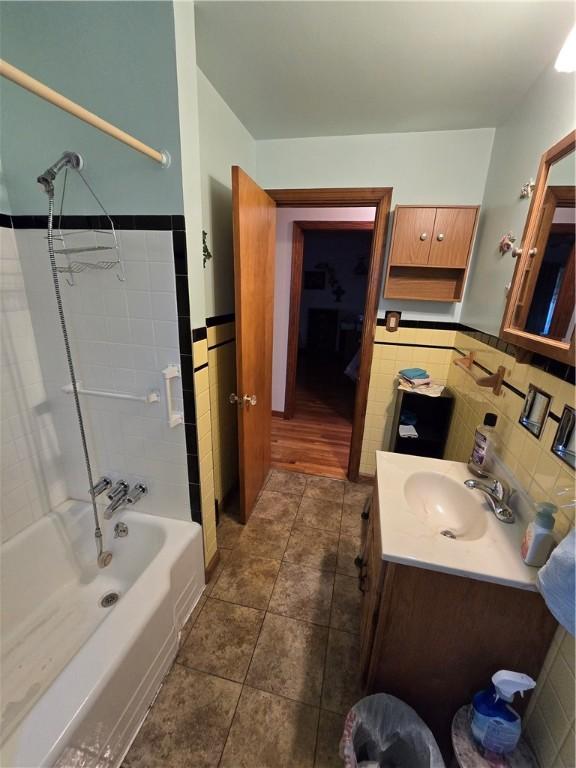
118	60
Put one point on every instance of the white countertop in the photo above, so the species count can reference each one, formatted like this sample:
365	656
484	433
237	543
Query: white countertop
491	555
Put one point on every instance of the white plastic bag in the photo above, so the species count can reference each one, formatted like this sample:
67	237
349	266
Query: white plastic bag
383	732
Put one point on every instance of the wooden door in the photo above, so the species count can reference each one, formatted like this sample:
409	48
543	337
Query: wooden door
413	229
453	231
254	221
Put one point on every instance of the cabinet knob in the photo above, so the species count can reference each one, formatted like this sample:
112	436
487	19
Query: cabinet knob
532	252
440	237
423	236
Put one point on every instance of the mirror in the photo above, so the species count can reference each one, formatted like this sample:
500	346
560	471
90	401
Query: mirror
535	411
550	310
564	441
540	313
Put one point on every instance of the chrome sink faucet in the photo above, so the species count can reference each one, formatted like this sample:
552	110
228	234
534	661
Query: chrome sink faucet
496	491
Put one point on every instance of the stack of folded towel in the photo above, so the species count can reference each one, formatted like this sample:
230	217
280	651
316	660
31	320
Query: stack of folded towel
414	377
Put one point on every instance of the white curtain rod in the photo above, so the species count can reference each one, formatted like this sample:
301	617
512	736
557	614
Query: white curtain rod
48	94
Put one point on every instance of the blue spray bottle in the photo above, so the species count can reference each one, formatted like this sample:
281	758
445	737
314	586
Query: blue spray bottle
497	727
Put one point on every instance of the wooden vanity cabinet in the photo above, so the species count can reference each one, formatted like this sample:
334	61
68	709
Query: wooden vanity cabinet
434	639
430	251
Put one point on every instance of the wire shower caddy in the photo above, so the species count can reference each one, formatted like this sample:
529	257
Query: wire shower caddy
70	246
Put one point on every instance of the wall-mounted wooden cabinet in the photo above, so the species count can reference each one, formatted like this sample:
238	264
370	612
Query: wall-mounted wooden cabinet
430	252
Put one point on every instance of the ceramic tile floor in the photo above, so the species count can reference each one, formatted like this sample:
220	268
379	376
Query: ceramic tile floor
268	665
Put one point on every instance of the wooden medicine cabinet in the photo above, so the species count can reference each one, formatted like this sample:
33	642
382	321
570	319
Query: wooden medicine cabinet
430	252
539	314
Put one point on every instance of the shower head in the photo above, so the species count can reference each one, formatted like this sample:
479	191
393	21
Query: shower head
68	160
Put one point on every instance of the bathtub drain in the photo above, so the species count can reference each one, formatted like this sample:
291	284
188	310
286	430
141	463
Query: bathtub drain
109	599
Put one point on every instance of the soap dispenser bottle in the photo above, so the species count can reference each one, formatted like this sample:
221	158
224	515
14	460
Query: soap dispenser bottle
538	540
496	727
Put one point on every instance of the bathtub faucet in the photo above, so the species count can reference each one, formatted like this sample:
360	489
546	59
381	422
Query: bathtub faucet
117	497
120	495
136	493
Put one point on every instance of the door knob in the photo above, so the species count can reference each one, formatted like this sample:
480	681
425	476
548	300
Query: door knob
242	399
440	237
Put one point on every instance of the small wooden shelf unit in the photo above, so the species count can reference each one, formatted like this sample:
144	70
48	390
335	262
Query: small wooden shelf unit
430	252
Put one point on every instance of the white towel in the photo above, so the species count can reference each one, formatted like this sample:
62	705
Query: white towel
557	582
432	389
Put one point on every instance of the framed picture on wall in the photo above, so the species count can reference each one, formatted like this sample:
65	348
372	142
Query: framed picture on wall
314	280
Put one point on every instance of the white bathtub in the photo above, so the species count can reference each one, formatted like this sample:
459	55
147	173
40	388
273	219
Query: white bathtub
78	678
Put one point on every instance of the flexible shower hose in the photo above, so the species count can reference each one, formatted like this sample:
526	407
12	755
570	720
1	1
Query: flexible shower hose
102	558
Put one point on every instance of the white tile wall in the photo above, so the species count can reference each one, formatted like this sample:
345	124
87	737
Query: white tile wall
123	334
32	476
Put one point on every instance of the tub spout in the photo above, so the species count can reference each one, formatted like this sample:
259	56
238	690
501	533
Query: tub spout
117	496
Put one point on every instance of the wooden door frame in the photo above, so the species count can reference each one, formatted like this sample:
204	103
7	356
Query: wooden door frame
298	230
380	198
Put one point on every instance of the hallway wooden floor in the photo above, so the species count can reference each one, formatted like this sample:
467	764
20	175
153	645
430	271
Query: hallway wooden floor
316	441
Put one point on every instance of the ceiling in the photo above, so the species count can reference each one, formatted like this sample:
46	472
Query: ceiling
290	69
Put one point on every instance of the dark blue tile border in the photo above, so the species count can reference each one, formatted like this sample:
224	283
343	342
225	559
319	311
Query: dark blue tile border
195	503
219	319
180	255
189	410
178	222
177	225
198	334
222	343
184	334
166	222
191	436
182	296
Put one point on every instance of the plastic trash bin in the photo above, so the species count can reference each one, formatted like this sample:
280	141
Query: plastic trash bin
383	732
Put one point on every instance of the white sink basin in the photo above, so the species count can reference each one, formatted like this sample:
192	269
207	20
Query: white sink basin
420	499
448	508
